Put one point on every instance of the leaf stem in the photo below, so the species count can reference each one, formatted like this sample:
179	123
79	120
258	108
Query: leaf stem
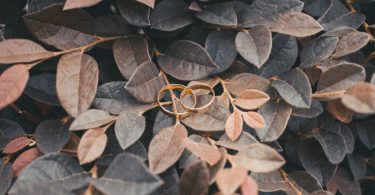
82	49
349	4
226	92
25	114
284	175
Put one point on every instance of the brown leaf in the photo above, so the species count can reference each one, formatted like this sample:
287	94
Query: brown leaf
249	187
340	77
73	4
212	120
24	159
166	148
75	85
205	152
360	98
12	83
350	43
244	140
186	60
259	158
61	29
21	50
150	3
16	145
229	179
296	24
233	125
91	119
194	180
130	53
255	45
219	165
245	81
253	119
339	111
145	83
251	99
92	145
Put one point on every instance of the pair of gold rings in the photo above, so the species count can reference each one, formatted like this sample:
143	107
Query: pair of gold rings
186	90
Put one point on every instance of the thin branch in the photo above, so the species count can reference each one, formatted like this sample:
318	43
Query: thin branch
26	115
349	4
284	175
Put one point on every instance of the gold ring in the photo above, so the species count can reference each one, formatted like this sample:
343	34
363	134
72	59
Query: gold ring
172	87
189	90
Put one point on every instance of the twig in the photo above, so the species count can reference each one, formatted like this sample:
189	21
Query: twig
284	175
82	49
349	4
25	114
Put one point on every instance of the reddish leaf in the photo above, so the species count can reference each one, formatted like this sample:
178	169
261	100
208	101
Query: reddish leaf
16	145
24	159
21	50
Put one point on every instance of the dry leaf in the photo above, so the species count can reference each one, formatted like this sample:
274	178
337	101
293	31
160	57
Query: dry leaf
22	50
12	83
253	120
166	148
205	152
92	145
91	119
24	159
229	179
16	145
233	125
296	24
251	99
360	98
249	187
76	87
259	158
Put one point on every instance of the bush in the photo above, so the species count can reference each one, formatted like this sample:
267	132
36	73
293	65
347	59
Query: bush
187	97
